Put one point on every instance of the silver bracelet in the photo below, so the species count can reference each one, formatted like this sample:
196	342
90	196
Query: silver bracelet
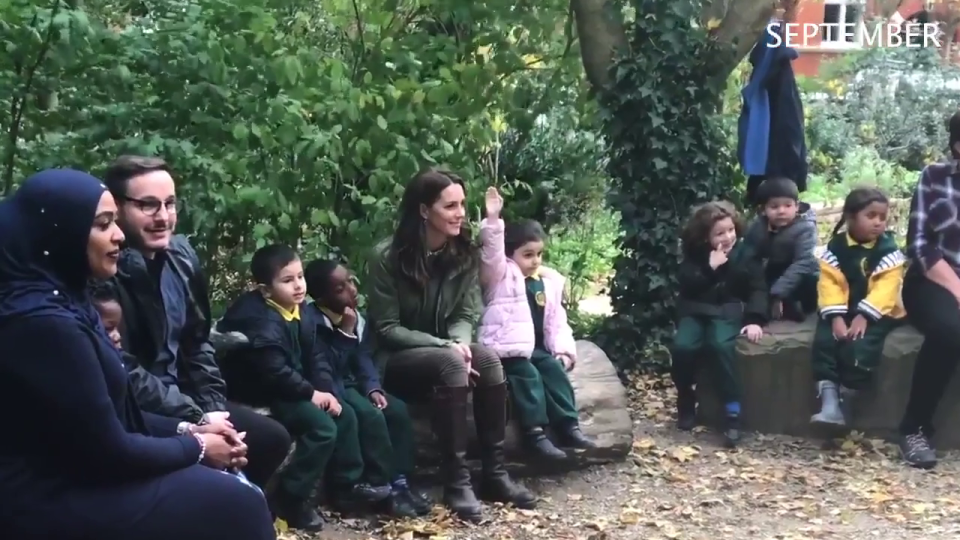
203	447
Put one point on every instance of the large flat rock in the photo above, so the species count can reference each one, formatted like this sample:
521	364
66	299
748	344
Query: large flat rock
780	395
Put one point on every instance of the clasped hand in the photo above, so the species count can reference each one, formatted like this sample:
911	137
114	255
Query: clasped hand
224	447
856	330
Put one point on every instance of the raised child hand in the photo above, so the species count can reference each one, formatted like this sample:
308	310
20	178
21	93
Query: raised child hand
494	203
717	258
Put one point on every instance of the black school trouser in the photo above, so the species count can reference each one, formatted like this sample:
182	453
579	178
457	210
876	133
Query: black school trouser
935	313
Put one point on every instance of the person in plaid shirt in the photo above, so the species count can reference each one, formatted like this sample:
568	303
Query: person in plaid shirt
931	296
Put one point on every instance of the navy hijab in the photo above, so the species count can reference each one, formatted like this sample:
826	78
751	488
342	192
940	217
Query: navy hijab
44	269
44	232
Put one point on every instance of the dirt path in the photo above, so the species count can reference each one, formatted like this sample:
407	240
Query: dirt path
684	486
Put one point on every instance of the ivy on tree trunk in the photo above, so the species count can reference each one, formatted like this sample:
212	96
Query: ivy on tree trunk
668	154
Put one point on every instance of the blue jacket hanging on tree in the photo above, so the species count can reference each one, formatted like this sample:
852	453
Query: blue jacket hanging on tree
771	136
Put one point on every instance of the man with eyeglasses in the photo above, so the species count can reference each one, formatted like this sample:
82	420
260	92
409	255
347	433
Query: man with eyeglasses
166	306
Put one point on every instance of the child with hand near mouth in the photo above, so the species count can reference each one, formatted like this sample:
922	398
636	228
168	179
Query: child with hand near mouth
723	295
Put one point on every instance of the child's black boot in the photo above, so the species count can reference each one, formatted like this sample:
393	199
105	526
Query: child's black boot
421	503
536	441
571	436
297	512
399	505
686	408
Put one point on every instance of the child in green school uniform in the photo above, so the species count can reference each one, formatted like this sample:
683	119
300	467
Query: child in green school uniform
722	296
385	428
861	273
284	369
525	322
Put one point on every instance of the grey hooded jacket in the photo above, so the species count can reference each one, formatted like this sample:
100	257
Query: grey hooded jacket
788	251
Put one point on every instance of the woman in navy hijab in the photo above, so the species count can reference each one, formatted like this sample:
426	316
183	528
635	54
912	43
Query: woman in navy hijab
78	459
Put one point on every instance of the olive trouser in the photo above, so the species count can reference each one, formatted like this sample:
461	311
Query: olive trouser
319	439
385	438
541	392
712	338
845	362
413	373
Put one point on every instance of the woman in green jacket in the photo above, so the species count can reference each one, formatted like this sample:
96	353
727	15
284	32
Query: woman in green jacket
423	303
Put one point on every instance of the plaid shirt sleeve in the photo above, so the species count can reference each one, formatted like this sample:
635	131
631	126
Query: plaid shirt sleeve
933	215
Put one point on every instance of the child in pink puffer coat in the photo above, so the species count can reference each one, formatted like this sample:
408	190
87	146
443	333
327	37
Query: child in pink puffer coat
525	323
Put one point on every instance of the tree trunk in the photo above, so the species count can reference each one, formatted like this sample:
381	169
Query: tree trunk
600	27
602	35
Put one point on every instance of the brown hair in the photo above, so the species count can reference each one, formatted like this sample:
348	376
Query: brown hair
409	248
696	233
126	167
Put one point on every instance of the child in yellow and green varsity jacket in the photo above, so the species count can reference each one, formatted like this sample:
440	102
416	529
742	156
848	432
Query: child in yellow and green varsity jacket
861	271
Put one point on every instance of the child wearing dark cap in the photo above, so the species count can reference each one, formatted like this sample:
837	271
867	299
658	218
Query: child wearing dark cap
784	236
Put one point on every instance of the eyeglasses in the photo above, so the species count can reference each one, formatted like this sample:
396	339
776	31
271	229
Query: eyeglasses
151	206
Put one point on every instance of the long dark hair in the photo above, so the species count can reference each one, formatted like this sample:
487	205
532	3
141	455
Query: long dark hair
858	199
409	248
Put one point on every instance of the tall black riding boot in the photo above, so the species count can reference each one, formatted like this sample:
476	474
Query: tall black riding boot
450	425
490	415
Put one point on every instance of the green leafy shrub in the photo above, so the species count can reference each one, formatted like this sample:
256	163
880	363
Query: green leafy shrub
861	166
893	100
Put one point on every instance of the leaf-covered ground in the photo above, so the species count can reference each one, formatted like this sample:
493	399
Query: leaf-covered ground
684	486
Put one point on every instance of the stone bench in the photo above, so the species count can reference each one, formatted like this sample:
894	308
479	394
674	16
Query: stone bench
780	396
601	398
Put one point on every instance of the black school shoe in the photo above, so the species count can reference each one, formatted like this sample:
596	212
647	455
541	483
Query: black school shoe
347	499
686	409
406	503
298	513
572	436
731	431
539	446
367	493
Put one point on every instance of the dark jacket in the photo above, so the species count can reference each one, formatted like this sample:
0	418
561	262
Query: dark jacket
772	140
733	290
102	468
349	356
268	370
395	307
200	387
787	252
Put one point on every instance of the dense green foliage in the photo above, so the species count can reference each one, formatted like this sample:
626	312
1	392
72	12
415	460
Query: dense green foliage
878	116
669	152
300	121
